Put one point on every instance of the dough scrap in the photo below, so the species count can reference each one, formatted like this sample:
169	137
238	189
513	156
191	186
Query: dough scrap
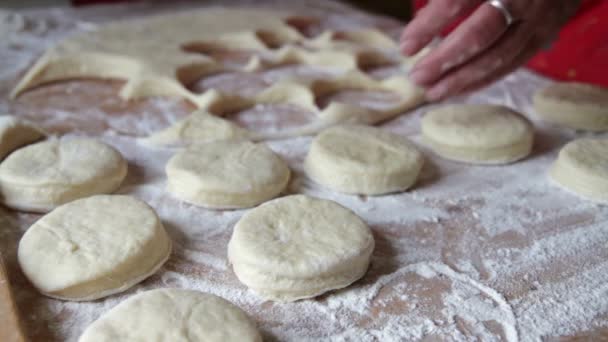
227	174
15	133
299	247
44	175
173	315
359	159
199	127
93	247
574	105
303	93
478	134
162	65
582	168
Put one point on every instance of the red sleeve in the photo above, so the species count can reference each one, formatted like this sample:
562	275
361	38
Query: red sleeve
581	51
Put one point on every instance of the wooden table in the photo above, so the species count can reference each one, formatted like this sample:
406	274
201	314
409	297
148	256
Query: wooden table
472	253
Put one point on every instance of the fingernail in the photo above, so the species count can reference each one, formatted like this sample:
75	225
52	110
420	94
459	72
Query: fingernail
408	47
421	77
437	93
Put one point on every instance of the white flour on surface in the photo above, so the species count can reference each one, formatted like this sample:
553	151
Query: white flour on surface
470	254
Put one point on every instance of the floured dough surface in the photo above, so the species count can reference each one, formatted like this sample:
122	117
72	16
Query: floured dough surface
299	247
227	174
15	133
183	49
574	105
93	247
582	167
200	127
363	160
478	134
44	175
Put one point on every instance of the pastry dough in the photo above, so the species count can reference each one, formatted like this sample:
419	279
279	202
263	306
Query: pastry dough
363	160
227	174
15	133
299	247
574	105
582	167
162	63
44	175
173	315
478	134
93	247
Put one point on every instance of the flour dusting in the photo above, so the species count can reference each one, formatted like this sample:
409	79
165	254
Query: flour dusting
470	253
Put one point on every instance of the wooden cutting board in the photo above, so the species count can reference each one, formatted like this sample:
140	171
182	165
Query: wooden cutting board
10	327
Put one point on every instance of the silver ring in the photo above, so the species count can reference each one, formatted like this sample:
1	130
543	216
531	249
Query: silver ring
502	8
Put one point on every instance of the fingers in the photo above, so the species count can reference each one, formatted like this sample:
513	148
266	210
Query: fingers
504	53
430	21
528	52
473	36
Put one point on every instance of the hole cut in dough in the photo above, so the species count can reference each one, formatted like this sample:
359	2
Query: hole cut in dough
582	168
93	247
307	26
358	159
573	105
15	133
238	83
299	247
44	175
227	174
173	315
478	134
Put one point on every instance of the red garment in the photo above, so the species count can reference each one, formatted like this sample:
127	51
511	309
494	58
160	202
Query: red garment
581	51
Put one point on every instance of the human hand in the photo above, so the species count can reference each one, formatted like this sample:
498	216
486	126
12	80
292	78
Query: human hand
483	48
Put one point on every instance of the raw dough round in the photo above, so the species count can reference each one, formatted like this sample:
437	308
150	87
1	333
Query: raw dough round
478	134
582	167
173	315
45	175
15	133
227	174
299	247
574	105
93	247
359	159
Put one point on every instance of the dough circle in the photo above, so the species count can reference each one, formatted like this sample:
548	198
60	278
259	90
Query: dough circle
299	247
173	315
478	134
227	174
15	133
358	159
573	105
44	175
93	247
582	167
